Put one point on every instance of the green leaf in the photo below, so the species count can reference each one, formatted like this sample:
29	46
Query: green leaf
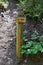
23	52
41	50
35	36
24	39
25	32
28	51
41	42
29	43
41	38
24	46
34	51
38	47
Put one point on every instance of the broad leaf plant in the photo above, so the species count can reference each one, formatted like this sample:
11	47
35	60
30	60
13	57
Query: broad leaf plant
33	45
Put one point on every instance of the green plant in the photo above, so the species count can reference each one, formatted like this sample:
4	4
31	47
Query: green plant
31	8
33	45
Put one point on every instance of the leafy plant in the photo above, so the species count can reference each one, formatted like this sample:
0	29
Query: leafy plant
32	46
31	8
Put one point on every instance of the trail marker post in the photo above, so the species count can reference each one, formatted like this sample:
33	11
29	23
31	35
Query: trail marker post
19	22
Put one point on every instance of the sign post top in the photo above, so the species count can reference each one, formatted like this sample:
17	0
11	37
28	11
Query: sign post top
20	19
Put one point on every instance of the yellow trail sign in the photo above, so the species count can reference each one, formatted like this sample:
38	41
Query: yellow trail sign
19	31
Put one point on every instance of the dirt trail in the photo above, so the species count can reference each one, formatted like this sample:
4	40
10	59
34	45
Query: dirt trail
7	38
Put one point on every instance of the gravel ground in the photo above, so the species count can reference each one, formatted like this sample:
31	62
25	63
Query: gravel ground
8	35
7	38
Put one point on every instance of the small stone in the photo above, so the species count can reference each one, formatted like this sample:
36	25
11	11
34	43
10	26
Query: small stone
25	61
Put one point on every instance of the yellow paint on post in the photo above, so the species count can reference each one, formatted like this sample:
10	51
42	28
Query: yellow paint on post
19	31
18	39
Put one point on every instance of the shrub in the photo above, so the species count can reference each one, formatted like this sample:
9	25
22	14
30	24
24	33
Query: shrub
33	45
31	8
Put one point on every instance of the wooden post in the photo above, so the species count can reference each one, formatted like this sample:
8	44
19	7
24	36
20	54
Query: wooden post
19	31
